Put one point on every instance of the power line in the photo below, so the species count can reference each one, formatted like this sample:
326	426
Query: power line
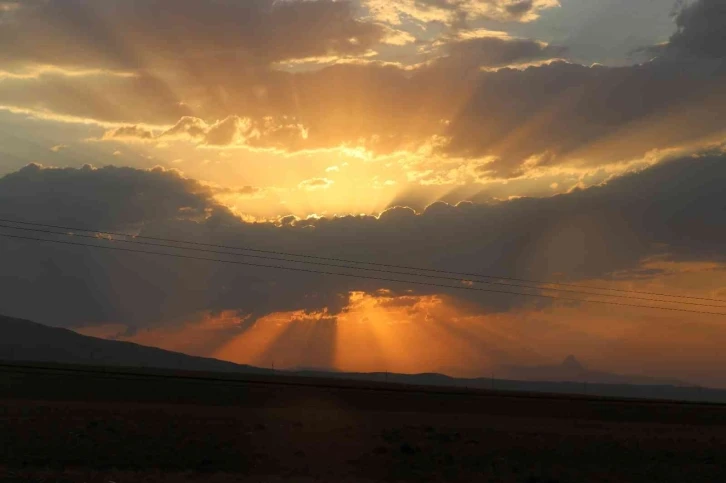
384	265
291	379
377	270
366	277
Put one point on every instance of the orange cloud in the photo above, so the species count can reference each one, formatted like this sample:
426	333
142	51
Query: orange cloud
234	131
316	184
123	36
453	12
223	86
382	331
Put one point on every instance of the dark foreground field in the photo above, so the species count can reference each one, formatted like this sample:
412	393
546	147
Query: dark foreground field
66	425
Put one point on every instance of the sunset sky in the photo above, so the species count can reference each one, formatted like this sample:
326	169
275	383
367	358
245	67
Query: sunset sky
573	141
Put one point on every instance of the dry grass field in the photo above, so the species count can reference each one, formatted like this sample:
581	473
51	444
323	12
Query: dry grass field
61	426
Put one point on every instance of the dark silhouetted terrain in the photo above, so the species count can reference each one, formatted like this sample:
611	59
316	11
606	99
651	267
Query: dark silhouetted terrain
24	341
79	424
95	416
572	370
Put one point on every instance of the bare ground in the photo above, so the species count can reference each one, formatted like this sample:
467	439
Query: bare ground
270	433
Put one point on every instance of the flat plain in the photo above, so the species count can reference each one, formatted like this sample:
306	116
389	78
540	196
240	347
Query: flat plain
66	424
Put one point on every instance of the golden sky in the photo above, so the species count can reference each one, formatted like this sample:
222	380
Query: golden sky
577	140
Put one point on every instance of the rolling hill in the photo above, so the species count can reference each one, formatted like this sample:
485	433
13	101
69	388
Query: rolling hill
25	341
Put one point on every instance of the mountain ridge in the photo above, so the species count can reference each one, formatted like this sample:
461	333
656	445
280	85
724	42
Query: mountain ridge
572	370
26	341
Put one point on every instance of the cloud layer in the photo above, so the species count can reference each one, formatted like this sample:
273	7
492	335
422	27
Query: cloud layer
457	12
672	211
208	73
141	34
701	28
288	103
232	131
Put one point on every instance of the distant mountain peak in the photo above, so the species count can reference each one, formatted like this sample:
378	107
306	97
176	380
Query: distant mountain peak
572	364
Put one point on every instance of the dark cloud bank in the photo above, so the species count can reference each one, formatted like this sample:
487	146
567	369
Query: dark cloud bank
675	209
560	110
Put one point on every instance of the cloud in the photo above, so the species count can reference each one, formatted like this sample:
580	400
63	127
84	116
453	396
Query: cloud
472	106
701	32
135	133
561	113
455	12
98	97
460	104
228	195
232	131
494	51
316	184
569	115
104	198
585	235
398	37
58	148
244	191
187	34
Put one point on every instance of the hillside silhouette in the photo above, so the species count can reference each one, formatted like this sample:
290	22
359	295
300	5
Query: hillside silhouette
25	341
572	370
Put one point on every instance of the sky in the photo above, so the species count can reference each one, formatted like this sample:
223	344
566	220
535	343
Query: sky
575	141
